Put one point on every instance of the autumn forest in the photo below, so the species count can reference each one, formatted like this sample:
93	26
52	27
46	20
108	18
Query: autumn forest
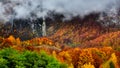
59	37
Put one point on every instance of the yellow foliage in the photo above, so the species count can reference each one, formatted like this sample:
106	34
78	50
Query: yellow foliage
85	56
67	58
75	57
112	60
71	66
54	53
87	65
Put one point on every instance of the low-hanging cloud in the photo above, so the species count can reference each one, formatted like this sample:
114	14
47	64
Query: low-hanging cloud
32	8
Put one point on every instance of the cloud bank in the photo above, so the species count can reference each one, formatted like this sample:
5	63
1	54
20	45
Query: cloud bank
38	8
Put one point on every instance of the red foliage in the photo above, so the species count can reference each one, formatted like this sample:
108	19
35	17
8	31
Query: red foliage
76	32
75	57
109	39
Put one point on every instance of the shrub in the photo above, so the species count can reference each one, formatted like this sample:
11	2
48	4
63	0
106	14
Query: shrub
10	58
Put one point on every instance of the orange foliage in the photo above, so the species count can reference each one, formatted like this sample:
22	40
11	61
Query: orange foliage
118	57
41	41
74	57
10	41
77	57
6	43
18	42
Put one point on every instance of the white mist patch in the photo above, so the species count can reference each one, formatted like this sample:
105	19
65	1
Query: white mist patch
39	8
79	7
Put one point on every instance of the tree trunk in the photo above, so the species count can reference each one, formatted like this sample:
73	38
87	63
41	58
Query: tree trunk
44	27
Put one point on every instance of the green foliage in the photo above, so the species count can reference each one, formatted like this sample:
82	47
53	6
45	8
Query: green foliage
112	65
10	58
3	63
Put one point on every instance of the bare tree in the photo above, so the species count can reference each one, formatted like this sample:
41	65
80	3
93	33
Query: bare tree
44	23
111	19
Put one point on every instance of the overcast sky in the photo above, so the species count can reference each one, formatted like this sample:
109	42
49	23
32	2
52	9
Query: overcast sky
24	8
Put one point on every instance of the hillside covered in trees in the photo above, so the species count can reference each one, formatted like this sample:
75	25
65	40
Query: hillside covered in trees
79	43
59	34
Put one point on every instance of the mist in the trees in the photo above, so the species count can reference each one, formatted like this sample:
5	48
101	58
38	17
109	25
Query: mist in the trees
32	8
